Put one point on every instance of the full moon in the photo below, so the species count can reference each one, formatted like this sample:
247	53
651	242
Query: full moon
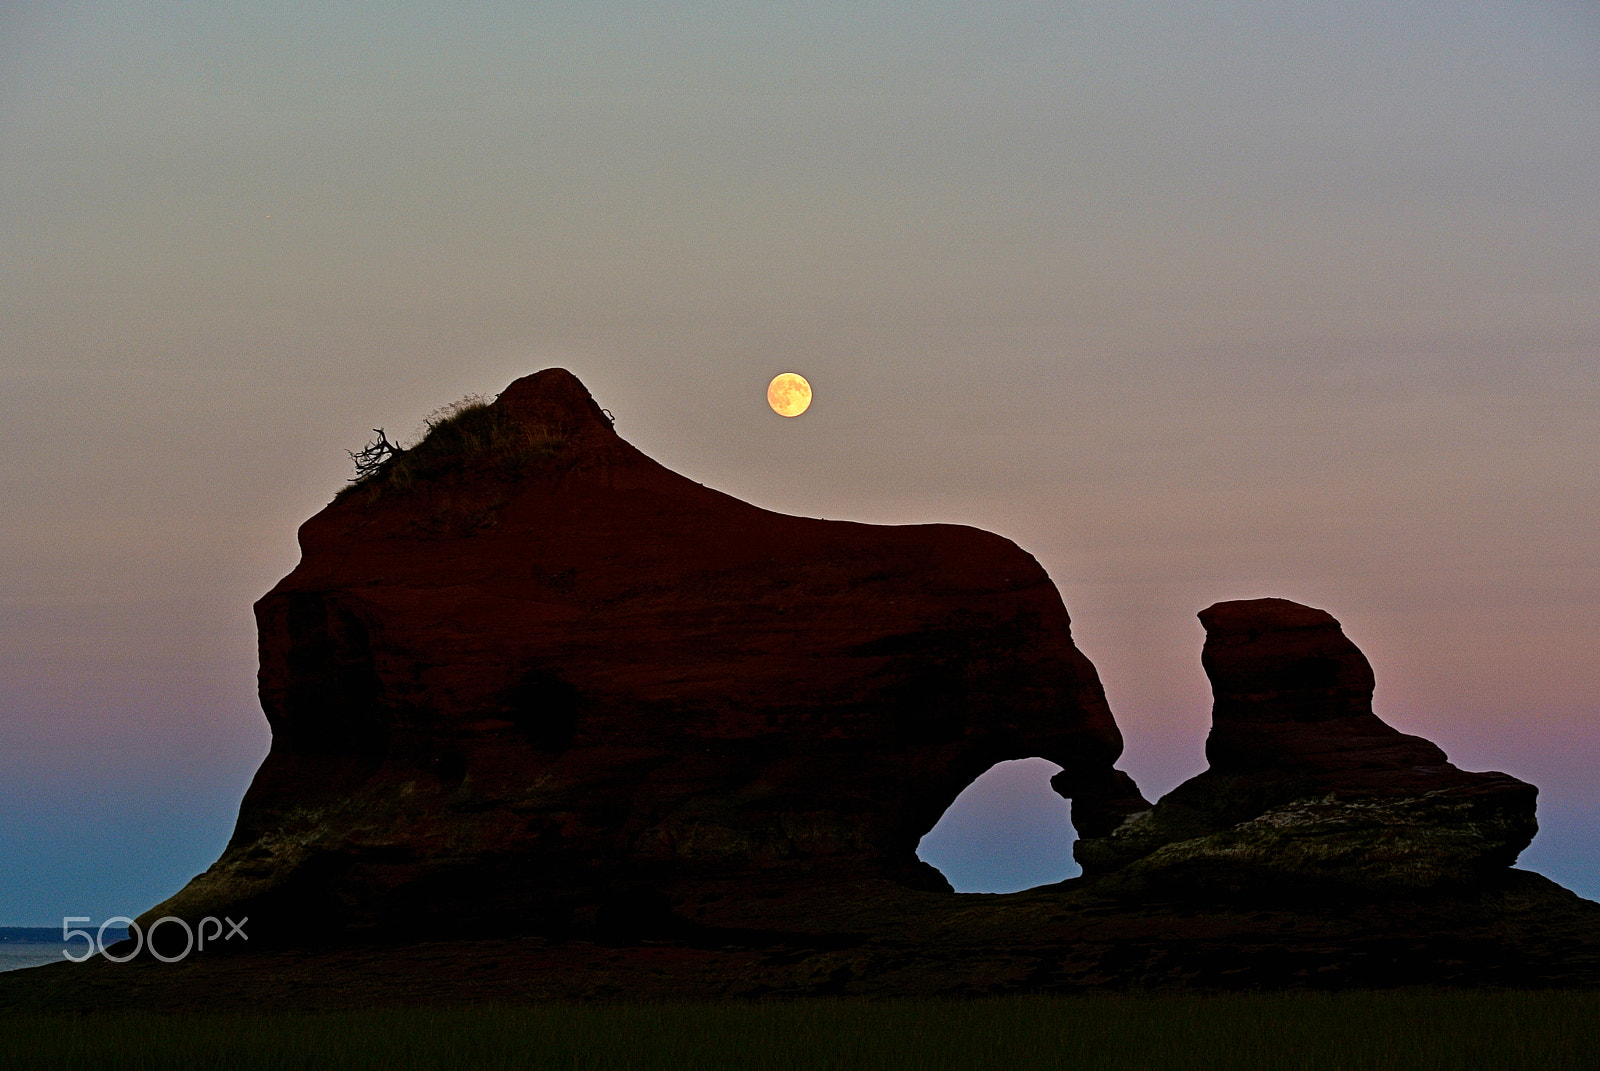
789	394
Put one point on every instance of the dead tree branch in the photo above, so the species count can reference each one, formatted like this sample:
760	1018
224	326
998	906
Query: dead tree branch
370	458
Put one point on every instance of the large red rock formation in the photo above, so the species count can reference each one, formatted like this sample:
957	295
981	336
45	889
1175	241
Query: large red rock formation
525	678
1307	785
618	734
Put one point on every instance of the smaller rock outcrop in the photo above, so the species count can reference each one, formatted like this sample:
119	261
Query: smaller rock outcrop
1307	787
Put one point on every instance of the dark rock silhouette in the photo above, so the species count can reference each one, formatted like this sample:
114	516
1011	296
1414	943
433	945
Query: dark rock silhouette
1307	787
551	721
525	677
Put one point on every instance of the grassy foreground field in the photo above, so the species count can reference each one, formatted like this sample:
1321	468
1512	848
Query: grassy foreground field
1547	1031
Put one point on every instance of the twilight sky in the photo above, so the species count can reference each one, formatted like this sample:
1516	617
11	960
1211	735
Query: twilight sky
1193	301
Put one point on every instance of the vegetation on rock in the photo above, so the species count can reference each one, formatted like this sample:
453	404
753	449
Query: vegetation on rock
471	434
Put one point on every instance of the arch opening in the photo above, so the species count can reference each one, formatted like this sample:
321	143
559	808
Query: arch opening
1005	832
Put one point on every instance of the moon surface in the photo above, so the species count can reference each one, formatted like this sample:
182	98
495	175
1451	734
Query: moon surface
789	394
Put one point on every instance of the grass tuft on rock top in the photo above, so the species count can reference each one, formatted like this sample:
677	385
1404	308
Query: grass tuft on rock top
1354	1031
469	435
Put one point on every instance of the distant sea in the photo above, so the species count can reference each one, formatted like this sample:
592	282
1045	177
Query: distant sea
34	946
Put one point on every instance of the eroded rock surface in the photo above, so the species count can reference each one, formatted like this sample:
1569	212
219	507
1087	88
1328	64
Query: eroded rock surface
1307	787
525	679
551	721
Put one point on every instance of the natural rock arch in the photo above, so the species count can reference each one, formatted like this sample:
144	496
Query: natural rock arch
544	685
531	671
1007	831
618	733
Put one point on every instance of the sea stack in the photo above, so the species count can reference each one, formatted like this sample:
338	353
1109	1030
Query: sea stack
1307	788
